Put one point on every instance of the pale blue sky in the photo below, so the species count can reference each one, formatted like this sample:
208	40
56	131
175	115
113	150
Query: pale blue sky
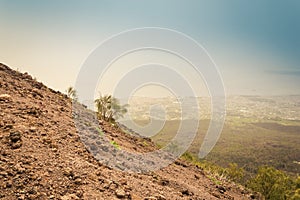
256	44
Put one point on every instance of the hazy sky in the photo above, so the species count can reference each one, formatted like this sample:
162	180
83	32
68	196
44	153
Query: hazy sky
255	44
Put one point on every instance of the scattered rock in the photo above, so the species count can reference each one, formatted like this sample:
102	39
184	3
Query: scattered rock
19	168
135	197
69	197
32	129
15	140
8	126
21	197
255	196
150	198
9	184
221	189
15	137
3	173
35	93
120	193
181	163
68	172
123	181
186	192
164	182
216	195
5	97
16	145
160	197
78	181
34	112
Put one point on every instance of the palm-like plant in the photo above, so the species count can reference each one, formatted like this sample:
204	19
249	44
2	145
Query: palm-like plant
109	108
103	104
71	93
117	110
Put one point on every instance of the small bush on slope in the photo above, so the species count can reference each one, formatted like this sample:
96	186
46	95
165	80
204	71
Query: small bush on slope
270	182
274	184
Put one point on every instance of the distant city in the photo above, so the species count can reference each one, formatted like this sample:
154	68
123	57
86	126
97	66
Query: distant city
255	107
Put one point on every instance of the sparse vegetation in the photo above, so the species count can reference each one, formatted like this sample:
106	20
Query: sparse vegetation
189	157
115	144
235	173
145	143
101	133
270	182
109	108
72	93
274	184
245	143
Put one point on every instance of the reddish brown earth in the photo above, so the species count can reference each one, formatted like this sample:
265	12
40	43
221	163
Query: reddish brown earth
42	156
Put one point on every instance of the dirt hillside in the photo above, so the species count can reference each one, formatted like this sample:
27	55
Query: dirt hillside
42	156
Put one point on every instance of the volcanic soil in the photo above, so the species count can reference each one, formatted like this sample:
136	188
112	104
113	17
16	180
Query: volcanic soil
43	157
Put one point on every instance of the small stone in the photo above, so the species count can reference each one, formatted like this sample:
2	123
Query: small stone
150	198
3	173
78	181
9	184
120	193
68	172
53	146
32	129
164	182
216	195
32	191
221	189
123	181
21	197
135	197
69	197
19	168
16	145
185	192
15	137
181	163
160	197
47	141
79	194
8	126
5	97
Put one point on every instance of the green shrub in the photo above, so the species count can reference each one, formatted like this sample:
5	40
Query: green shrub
295	193
115	144
271	183
214	171
188	157
235	173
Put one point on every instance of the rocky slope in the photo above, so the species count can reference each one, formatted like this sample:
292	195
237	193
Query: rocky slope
42	156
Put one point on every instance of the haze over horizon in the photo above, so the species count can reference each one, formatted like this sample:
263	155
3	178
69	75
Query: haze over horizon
256	45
